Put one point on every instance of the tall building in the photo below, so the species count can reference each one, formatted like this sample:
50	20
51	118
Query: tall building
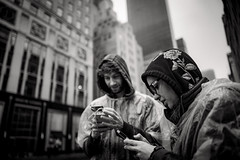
209	74
112	37
46	65
231	21
181	45
234	72
151	24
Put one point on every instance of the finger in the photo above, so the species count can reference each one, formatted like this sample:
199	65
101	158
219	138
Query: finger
131	142
103	129
90	117
100	125
140	137
110	112
131	148
107	119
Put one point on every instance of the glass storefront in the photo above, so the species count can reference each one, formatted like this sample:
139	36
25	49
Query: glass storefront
24	128
76	118
56	131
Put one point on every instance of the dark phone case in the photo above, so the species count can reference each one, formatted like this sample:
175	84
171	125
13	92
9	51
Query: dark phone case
121	134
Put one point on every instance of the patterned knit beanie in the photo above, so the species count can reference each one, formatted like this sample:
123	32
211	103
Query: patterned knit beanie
176	68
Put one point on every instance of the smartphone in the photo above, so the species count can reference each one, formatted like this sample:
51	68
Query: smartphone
96	107
121	134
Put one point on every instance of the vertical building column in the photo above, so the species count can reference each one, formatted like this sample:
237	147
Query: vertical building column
49	59
16	64
70	84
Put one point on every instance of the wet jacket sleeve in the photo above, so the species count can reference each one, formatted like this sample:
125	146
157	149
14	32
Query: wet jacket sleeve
159	153
130	131
91	146
219	134
150	129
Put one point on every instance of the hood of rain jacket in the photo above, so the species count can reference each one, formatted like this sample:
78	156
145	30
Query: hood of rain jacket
123	69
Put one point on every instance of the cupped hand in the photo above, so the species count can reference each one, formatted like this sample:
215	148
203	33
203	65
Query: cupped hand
97	128
111	118
142	149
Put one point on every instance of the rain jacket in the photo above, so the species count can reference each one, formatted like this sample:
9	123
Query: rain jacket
139	112
210	128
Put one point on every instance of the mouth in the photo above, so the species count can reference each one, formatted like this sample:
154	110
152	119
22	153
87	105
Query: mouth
114	89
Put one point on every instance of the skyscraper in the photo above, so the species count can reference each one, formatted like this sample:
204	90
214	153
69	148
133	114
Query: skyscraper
151	24
231	21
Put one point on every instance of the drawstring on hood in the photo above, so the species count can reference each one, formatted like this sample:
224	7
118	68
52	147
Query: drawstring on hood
121	65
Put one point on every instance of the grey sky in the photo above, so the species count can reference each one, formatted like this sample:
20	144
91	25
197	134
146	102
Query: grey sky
199	23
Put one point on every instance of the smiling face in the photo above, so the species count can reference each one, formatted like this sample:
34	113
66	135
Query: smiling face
163	92
114	81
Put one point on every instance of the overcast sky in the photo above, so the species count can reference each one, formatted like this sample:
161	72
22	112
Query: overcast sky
199	23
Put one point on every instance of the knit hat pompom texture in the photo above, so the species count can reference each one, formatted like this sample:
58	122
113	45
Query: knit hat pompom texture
176	68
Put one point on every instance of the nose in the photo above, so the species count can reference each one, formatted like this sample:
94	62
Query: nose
112	82
156	97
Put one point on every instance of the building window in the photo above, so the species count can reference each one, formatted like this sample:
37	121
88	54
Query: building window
49	4
59	93
59	85
47	17
80	97
78	36
86	30
70	6
78	25
59	12
86	20
33	65
31	82
33	9
7	14
79	13
30	87
58	24
60	73
69	18
79	2
87	9
60	1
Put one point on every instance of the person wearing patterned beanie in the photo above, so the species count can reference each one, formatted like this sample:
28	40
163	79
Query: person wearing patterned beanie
206	113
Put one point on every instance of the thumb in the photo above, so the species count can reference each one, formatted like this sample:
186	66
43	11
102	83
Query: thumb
140	138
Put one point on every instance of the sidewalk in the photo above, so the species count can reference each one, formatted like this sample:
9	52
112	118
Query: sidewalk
70	156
